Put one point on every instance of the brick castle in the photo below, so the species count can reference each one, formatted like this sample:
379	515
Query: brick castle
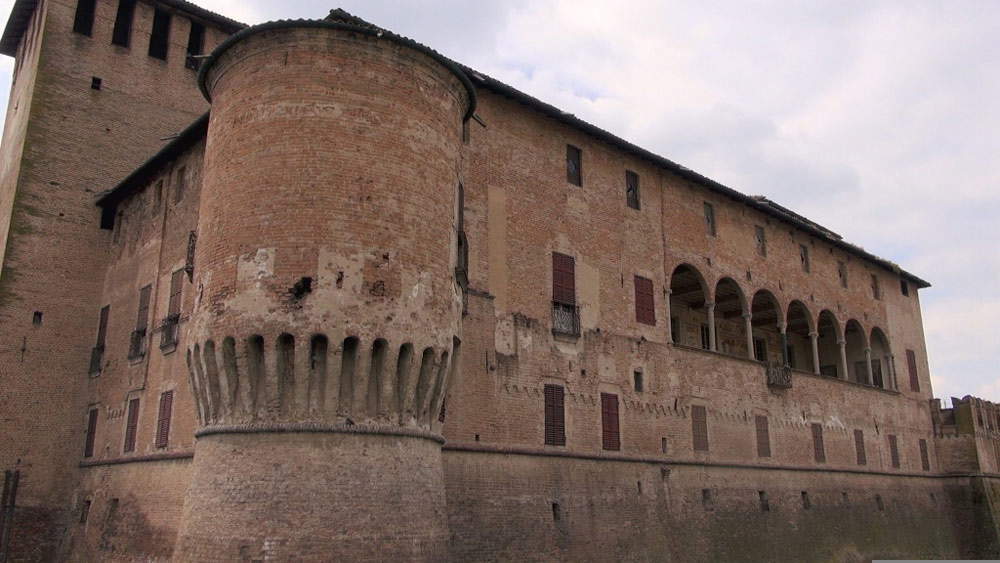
311	291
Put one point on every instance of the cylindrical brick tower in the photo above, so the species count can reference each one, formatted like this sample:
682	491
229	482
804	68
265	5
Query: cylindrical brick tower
328	316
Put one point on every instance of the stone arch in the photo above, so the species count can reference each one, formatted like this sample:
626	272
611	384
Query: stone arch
767	323
730	325
829	337
689	295
285	380
883	372
319	346
855	344
799	331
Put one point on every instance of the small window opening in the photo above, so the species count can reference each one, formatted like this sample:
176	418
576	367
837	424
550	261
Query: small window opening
83	23
879	503
876	289
904	288
843	497
84	511
159	39
842	273
709	218
556	512
195	46
760	238
765	505
706	498
122	33
632	189
36	319
638	487
95	83
804	257
663	445
574	165
806	503
637	379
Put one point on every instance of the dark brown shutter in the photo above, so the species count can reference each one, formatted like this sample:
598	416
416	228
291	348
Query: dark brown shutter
142	319
160	34
555	416
819	451
699	428
911	362
893	451
83	22
563	279
645	311
102	327
763	437
611	439
122	33
925	461
163	421
88	449
131	424
176	287
859	447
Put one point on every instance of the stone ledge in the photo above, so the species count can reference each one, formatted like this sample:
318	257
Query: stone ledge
313	427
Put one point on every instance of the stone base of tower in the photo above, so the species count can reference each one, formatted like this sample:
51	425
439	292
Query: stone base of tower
317	495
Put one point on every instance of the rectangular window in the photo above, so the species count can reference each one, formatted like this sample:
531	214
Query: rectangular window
168	337
632	189
925	461
163	419
97	353
88	448
610	438
195	46
911	364
645	311
709	218
180	182
637	381
819	451
137	345
83	23
565	316
706	338
131	425
574	165
760	349
760	238
804	257
763	436
842	273
904	288
893	451
159	40
699	428
876	289
555	416
122	34
859	447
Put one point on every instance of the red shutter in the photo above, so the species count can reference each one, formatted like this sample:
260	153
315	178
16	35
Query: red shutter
611	439
163	421
563	279
699	428
763	437
911	362
859	447
925	461
88	450
645	311
893	451
131	424
819	451
555	416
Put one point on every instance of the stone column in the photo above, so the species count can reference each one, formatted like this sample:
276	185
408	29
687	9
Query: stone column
747	319
868	366
843	359
712	344
814	341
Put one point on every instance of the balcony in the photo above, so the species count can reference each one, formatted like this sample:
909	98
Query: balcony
565	319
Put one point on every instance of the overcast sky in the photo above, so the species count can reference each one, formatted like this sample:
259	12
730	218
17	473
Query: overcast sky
879	120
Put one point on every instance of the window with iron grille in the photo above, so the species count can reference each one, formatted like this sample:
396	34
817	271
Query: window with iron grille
819	451
763	436
137	346
876	289
610	437
760	238
88	448
645	309
131	425
122	33
574	165
859	447
159	37
565	315
893	451
925	461
709	218
163	419
804	257
195	46
911	364
169	330
699	428
83	23
842	273
632	189
555	416
97	352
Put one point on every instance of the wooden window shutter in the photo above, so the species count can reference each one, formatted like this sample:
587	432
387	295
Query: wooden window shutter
699	428
176	288
859	447
555	416
893	451
163	420
911	363
142	319
102	326
819	451
83	22
763	437
88	449
645	311
122	33
610	437
563	279
131	425
925	461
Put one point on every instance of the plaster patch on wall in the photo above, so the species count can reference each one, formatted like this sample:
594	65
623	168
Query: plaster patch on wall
254	267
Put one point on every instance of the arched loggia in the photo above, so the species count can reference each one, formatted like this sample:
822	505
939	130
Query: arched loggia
730	311
767	326
801	351
883	374
856	350
689	308
829	344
